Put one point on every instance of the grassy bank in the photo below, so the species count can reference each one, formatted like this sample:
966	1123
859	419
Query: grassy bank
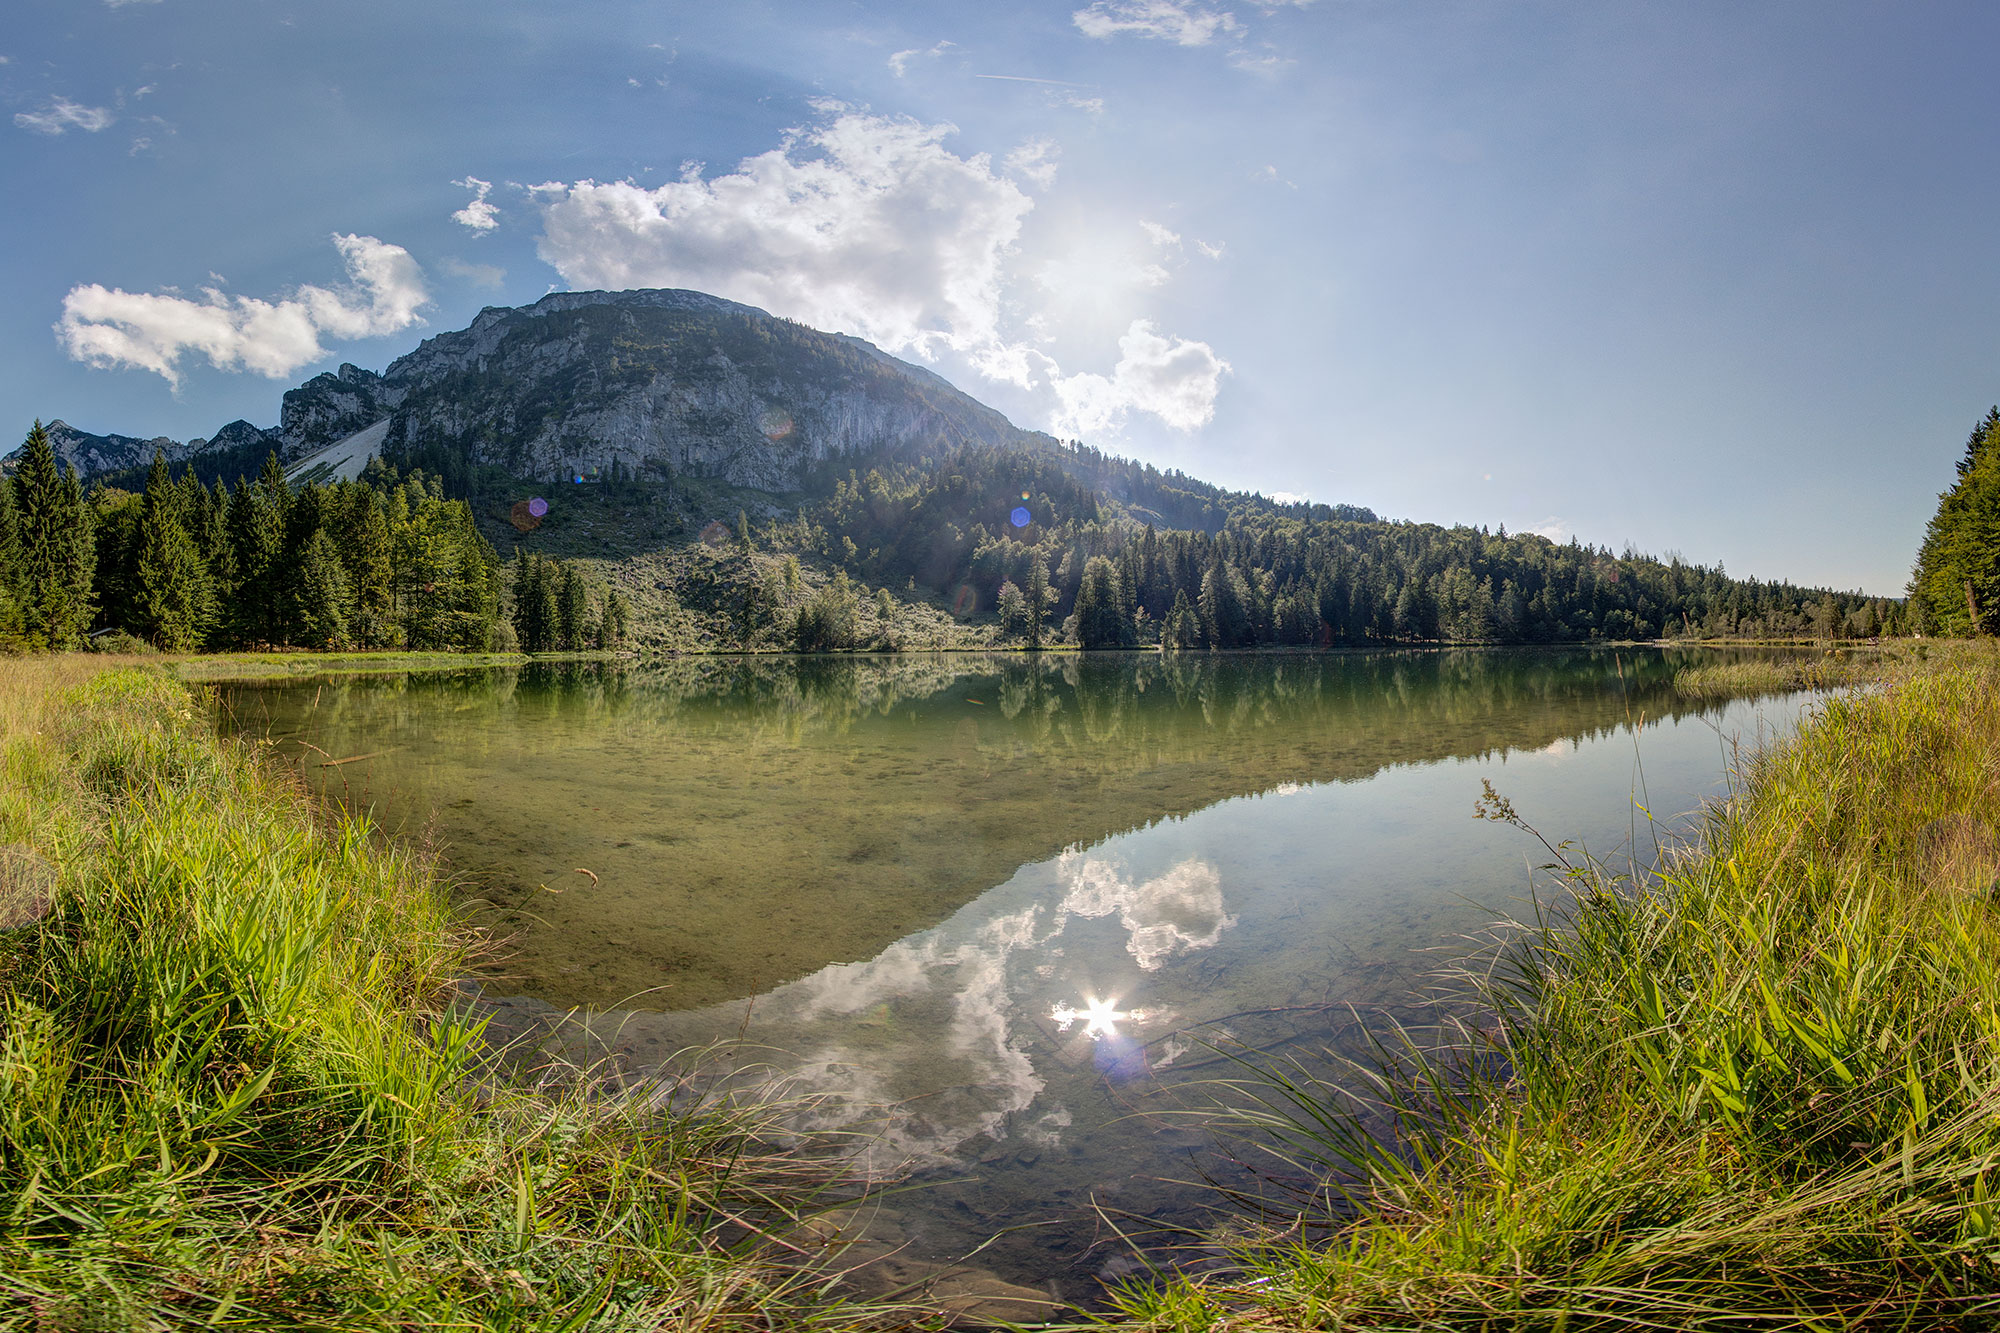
232	1094
1761	1091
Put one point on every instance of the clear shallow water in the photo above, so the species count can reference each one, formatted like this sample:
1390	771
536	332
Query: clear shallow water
899	877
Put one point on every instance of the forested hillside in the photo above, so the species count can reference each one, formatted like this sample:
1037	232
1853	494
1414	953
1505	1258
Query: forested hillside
383	562
1209	568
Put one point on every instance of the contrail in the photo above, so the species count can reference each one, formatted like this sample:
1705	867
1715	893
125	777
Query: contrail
1023	78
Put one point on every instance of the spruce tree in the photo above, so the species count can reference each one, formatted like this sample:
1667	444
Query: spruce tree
53	538
1956	584
320	597
175	603
13	634
1037	595
572	609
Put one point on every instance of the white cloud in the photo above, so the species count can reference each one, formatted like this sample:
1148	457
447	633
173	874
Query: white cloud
111	328
479	275
120	4
478	214
1556	530
1211	251
1035	162
1267	65
1174	379
865	224
62	114
870	225
1182	22
1289	498
1161	235
1092	105
899	63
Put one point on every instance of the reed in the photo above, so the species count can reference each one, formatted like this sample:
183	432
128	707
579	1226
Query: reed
1759	1090
234	1090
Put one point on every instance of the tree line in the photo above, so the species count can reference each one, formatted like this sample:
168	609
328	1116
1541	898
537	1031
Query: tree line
1955	588
1276	575
558	609
385	561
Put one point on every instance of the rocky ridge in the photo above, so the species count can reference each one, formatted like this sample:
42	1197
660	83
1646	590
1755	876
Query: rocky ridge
656	383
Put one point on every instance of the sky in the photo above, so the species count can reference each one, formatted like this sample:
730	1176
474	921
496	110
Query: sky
1708	279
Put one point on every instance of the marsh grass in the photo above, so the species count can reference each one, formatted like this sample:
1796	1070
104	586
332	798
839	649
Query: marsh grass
1832	669
1759	1090
233	1091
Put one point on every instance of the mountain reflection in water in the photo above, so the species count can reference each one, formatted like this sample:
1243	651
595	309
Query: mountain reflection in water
896	878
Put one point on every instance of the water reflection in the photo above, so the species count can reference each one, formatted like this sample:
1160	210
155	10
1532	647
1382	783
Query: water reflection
998	913
750	820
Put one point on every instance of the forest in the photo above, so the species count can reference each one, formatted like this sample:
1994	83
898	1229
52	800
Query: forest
1956	586
382	562
984	526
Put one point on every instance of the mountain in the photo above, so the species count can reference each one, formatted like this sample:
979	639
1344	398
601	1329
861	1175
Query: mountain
648	384
738	452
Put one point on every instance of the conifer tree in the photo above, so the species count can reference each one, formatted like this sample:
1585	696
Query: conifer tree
175	603
53	538
1037	595
573	632
13	635
534	602
320	597
256	523
1956	584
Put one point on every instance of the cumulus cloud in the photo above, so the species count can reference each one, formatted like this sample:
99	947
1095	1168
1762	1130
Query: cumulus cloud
478	215
871	225
1211	251
1035	162
866	224
112	328
1162	236
1182	22
1174	379
61	115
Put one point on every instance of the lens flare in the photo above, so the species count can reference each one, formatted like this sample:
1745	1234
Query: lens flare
964	601
1100	1017
523	515
1020	517
538	507
776	423
715	535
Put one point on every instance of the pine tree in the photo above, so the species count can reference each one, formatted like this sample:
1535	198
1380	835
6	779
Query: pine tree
175	603
53	538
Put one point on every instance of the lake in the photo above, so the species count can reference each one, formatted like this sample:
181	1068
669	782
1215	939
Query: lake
1004	918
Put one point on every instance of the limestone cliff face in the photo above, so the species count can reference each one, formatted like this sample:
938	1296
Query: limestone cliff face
655	383
668	382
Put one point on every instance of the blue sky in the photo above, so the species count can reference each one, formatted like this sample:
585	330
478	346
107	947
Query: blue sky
1708	278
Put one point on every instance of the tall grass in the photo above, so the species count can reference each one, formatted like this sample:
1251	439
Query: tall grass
233	1093
1759	1091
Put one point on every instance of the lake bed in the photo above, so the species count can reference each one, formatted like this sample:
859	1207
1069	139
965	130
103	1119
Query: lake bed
1001	918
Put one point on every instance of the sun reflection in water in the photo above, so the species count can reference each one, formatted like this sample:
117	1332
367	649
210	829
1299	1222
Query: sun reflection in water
1100	1017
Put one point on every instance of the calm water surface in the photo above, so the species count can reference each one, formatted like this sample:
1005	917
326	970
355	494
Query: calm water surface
908	880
